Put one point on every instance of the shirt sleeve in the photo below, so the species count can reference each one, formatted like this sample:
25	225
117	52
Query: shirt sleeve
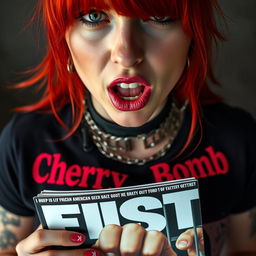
11	194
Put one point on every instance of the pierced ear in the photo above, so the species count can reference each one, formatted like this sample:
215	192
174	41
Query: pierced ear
70	65
188	62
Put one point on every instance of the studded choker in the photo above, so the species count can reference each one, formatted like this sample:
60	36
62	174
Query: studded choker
111	145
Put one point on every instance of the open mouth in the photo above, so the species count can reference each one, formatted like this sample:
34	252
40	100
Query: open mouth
129	93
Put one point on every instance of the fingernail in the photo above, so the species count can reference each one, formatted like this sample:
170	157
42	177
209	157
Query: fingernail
92	252
182	244
77	238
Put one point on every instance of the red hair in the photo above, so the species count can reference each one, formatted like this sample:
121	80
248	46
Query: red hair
61	87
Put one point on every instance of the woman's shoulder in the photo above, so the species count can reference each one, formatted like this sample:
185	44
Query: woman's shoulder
225	114
228	121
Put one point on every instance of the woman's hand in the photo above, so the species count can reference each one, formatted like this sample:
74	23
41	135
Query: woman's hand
39	243
133	239
186	241
130	239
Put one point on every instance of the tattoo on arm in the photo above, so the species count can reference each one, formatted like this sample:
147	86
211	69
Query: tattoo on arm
8	238
253	221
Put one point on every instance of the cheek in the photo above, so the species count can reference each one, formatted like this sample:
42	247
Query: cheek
89	59
82	53
170	53
87	54
169	59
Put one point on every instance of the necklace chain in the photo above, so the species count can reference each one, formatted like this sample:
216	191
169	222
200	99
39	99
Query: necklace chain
109	144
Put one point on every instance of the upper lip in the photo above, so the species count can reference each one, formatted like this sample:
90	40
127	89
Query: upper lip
129	80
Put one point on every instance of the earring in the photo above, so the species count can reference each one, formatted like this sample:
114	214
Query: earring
70	65
188	62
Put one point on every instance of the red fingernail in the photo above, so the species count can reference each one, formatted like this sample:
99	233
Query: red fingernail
92	252
77	238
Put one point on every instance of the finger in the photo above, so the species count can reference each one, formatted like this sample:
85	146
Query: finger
200	235
132	239
109	239
186	241
77	252
155	243
43	238
90	252
201	239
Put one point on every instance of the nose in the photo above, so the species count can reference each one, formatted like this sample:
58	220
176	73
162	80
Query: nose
127	49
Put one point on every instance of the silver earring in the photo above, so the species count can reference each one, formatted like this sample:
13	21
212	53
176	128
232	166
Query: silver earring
70	65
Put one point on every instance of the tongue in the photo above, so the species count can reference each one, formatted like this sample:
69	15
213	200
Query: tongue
129	92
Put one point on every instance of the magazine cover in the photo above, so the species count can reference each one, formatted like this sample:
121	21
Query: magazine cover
171	207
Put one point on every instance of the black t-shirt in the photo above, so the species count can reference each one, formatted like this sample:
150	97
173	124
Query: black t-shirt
33	158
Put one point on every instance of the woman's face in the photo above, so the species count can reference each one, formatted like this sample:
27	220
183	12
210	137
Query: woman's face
128	65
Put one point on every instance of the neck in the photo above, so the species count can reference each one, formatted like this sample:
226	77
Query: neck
148	146
117	130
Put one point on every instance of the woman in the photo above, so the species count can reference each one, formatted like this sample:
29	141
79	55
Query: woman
126	69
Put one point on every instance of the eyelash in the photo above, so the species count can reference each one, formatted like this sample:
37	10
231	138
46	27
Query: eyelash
156	20
165	21
92	23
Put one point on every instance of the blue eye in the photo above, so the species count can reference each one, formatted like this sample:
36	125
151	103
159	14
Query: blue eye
94	18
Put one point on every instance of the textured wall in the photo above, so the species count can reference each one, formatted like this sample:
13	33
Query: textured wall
19	50
235	65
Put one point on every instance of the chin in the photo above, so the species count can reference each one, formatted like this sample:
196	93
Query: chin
129	119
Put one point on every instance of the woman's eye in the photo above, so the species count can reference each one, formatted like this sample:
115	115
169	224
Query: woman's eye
166	20
94	18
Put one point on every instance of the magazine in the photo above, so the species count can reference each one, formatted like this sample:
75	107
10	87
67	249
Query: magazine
171	207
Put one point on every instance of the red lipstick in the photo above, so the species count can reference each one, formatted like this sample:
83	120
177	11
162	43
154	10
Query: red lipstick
129	93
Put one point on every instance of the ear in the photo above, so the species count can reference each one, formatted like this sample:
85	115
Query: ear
67	37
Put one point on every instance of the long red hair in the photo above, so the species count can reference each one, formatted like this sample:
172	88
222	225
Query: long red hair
60	87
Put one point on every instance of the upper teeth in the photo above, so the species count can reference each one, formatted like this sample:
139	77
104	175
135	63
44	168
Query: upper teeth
126	86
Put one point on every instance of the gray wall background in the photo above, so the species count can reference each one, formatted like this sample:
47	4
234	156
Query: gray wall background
21	47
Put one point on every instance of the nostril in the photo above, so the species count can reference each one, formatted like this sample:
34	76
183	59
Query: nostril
127	54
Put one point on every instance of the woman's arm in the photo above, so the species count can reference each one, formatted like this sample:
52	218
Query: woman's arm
17	237
242	234
13	228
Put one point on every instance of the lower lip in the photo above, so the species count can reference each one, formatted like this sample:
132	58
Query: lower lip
130	105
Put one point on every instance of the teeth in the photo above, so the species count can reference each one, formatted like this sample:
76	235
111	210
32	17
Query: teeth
130	86
130	98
